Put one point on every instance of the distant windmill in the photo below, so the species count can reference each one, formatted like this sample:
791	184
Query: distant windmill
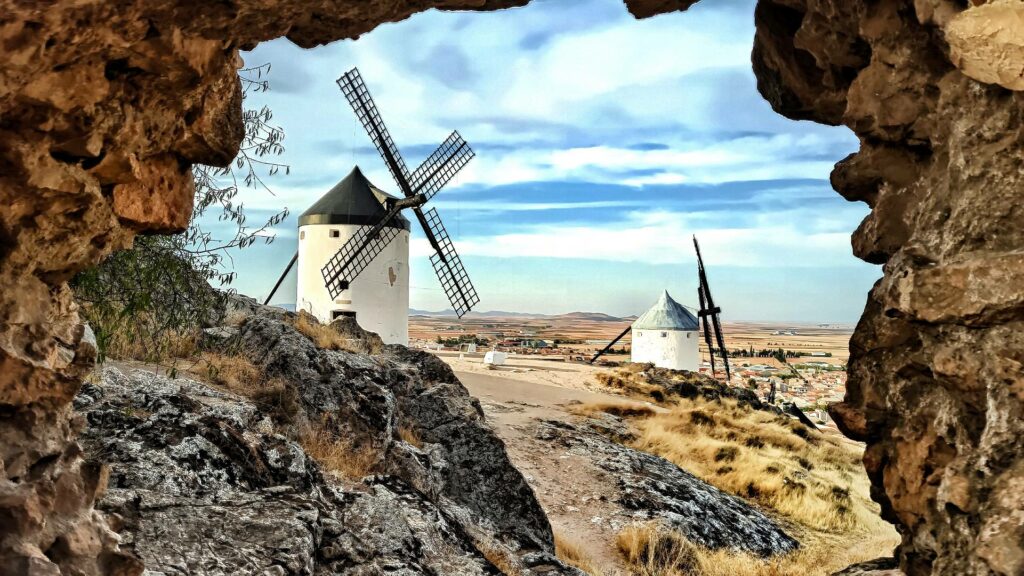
667	331
382	225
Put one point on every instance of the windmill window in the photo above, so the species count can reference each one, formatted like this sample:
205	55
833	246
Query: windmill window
664	334
302	235
335	234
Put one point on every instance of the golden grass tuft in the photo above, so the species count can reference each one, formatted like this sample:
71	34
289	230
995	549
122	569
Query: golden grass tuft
573	554
653	550
239	375
329	338
500	557
409	436
338	456
322	335
234	372
650	550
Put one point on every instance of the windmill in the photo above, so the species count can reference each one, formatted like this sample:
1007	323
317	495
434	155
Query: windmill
709	310
668	319
418	187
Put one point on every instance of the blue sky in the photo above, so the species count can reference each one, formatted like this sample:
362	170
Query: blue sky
602	144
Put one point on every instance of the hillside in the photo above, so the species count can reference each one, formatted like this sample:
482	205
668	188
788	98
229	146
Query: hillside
292	447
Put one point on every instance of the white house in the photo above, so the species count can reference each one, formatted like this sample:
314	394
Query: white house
379	297
667	336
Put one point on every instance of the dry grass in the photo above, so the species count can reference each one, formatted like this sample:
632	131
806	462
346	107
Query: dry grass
327	337
126	345
339	456
625	409
321	334
652	550
409	436
573	554
239	375
813	480
236	373
502	558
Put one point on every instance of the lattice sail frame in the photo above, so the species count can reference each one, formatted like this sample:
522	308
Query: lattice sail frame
441	166
351	84
449	269
432	175
337	275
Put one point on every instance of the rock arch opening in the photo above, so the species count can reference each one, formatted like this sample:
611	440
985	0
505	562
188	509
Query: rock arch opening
104	107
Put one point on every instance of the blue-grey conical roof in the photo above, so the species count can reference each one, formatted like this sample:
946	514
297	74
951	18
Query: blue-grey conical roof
666	314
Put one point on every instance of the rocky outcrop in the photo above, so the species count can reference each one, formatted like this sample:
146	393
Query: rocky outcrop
201	483
652	488
460	464
105	105
936	374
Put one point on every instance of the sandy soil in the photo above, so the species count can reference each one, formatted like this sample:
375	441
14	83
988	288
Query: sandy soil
534	369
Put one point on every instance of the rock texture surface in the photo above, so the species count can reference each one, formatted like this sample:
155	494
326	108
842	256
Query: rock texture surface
104	106
936	375
202	484
460	465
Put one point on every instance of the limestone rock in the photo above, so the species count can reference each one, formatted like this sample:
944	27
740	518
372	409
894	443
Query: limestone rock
986	43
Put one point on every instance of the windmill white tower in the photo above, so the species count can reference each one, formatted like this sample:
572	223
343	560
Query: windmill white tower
667	335
379	297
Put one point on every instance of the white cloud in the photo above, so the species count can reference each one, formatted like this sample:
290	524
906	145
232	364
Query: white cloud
662	237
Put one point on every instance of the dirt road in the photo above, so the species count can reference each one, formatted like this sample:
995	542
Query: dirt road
578	497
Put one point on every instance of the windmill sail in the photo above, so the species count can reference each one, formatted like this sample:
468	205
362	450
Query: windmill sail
435	172
708	309
441	166
355	255
449	269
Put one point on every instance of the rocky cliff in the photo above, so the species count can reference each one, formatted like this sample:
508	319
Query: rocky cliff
105	105
936	374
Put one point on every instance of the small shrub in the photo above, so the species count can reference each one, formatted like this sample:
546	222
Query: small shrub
701	418
726	454
409	436
338	456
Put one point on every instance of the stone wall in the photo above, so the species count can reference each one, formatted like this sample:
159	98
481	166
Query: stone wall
105	104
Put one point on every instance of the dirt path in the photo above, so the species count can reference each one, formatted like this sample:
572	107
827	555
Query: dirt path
578	497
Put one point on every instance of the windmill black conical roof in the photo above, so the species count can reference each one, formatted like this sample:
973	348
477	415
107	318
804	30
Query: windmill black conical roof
354	200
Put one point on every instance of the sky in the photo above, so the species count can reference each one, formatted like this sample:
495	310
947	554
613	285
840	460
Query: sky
602	145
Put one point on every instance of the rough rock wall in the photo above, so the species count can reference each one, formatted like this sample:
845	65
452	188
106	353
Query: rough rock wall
105	104
936	372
